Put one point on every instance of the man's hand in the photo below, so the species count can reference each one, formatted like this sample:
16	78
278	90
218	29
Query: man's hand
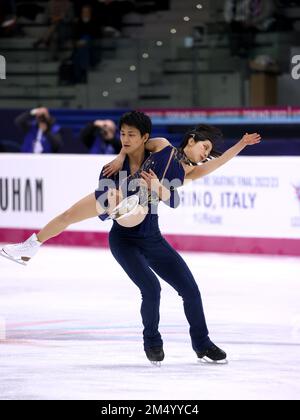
251	139
113	167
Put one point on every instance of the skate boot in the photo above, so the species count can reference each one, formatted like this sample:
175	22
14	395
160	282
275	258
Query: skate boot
23	252
212	355
156	355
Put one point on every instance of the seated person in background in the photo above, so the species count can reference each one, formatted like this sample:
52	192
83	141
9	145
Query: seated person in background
86	30
60	15
42	134
100	138
241	32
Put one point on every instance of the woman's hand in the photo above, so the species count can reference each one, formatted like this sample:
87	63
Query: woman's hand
251	139
114	167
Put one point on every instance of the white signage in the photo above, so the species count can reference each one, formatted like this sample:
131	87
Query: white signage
249	197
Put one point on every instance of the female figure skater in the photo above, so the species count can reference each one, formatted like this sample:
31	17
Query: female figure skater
140	247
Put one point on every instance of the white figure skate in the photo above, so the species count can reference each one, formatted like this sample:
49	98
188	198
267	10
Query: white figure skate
23	252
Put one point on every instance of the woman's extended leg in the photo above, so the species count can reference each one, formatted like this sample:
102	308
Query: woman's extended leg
82	210
23	252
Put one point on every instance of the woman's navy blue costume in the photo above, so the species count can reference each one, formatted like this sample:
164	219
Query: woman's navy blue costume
141	249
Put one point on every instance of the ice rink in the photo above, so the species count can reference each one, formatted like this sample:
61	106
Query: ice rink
73	330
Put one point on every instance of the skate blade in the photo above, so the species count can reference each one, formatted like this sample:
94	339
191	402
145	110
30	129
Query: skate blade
207	361
156	364
5	255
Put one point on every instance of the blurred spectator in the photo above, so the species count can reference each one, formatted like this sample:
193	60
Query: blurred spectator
84	55
245	19
241	31
262	14
42	134
60	16
100	137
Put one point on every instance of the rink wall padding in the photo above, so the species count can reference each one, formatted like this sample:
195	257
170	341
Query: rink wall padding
251	205
258	246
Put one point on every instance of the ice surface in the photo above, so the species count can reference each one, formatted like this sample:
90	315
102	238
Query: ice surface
73	330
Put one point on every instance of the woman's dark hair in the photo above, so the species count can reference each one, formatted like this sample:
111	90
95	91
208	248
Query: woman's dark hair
205	132
139	120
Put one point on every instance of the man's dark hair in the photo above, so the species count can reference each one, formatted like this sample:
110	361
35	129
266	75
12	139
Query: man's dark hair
138	120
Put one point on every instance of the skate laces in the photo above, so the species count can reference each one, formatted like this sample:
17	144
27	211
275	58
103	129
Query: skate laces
25	245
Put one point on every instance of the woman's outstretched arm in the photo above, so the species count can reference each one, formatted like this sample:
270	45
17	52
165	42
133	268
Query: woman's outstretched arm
212	165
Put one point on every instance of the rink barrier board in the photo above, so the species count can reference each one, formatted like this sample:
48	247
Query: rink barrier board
251	205
186	243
